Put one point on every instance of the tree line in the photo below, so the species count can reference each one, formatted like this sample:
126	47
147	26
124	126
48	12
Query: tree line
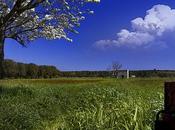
153	73
86	73
20	70
109	73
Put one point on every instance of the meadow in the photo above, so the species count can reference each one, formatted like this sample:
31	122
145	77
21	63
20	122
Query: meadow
80	104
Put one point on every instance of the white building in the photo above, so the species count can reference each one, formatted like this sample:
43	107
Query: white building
123	74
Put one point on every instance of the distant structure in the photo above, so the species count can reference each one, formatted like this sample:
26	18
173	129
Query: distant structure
133	76
123	74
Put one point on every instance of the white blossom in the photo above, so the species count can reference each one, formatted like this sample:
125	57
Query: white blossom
26	20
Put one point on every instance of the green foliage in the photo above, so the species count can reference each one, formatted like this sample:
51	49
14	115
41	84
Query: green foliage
137	73
20	70
80	104
86	73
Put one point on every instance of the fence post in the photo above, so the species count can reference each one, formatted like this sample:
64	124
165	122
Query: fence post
169	100
165	119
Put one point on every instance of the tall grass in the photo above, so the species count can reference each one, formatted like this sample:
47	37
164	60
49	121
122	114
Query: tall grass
80	104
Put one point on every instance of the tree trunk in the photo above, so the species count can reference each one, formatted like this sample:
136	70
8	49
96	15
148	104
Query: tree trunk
2	74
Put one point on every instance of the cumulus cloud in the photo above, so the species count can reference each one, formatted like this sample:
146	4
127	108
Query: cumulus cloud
105	43
154	27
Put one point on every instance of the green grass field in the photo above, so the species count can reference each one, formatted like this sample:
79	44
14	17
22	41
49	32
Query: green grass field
80	104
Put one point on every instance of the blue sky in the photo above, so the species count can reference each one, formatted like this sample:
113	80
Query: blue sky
155	50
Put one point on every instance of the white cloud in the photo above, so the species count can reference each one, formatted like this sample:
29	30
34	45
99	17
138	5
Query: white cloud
102	44
158	22
137	38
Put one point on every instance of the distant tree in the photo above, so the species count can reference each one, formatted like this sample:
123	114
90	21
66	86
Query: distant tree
22	70
11	68
48	71
115	67
52	72
42	71
32	71
27	20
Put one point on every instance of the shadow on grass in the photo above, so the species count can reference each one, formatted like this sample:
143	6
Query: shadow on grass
66	81
14	91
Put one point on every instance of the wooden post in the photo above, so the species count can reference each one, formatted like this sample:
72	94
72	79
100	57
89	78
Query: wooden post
167	122
169	100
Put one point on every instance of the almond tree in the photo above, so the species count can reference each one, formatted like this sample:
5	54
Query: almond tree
27	20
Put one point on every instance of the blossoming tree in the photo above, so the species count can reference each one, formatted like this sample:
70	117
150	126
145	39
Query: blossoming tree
27	20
